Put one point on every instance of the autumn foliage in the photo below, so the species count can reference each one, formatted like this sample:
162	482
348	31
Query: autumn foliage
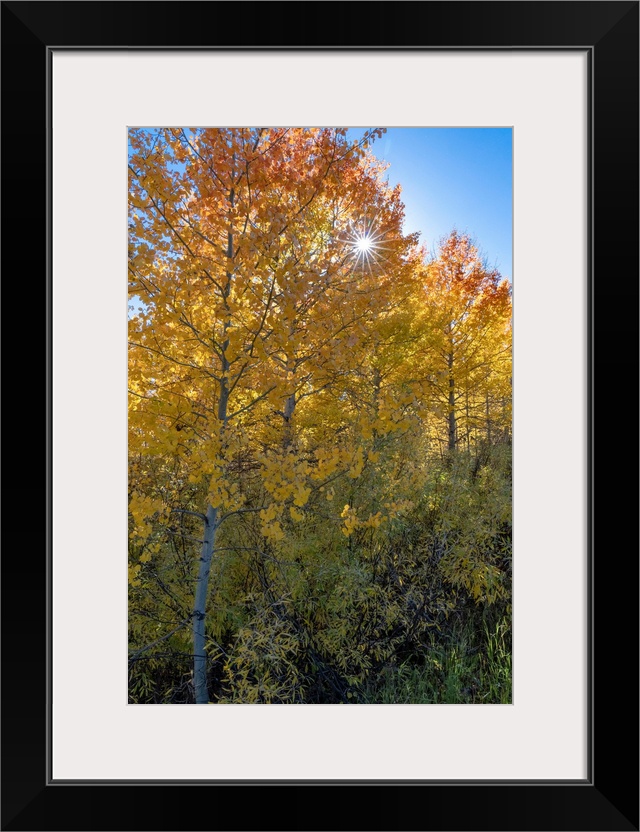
319	422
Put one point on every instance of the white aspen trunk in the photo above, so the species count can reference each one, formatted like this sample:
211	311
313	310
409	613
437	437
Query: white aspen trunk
200	607
452	406
287	414
212	522
488	414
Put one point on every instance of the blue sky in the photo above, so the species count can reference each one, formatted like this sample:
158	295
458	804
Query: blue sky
454	177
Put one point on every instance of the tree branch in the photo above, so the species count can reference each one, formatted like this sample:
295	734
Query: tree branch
192	513
142	650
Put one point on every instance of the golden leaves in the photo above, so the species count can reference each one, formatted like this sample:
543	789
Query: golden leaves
142	508
295	514
350	520
301	495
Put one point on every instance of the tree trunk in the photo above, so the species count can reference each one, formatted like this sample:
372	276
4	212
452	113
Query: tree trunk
488	420
212	521
452	405
468	420
200	607
206	554
289	407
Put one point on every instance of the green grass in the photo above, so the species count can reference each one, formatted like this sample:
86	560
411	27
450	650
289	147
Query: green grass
463	671
495	670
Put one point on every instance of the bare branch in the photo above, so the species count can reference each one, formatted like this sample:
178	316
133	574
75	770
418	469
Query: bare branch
239	511
192	513
142	650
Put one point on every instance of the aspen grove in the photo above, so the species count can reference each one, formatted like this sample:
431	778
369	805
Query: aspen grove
319	431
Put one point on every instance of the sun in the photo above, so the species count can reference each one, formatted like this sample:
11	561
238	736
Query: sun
363	245
366	242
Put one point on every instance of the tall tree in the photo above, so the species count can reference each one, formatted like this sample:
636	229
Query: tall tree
467	315
256	256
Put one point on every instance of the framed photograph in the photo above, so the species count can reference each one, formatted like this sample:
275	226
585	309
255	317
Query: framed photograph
117	105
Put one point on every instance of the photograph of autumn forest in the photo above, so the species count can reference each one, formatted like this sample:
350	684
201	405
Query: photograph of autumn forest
319	427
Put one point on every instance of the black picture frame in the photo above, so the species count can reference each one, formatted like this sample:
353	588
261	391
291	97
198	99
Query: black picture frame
608	798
